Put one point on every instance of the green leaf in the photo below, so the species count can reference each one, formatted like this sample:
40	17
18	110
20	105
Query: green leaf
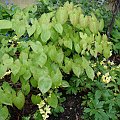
98	94
54	35
61	15
106	52
68	65
42	59
59	57
58	27
5	24
23	57
52	100
38	31
74	17
31	29
57	78
85	63
27	75
45	35
7	98
68	43
16	67
14	78
44	83
87	110
7	61
77	69
52	52
4	113
77	47
90	72
65	83
25	88
36	46
83	21
34	82
94	27
19	27
19	100
35	99
103	114
101	25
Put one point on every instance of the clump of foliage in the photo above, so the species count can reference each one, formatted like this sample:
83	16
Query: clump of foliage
54	50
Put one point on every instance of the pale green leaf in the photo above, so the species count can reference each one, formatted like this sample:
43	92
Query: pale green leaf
52	52
85	63
5	24
61	15
42	58
77	47
27	75
19	27
65	83
36	47
31	29
23	57
68	43
101	25
77	69
44	83
16	67
57	78
14	78
59	56
45	35
90	72
58	27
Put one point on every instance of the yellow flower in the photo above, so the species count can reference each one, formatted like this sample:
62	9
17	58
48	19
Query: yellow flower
102	63
110	63
42	103
94	65
110	53
105	66
106	78
107	74
98	74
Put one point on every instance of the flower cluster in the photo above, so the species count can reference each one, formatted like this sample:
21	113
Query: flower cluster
44	109
106	78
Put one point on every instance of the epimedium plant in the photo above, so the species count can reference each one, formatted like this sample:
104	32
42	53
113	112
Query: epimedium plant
40	51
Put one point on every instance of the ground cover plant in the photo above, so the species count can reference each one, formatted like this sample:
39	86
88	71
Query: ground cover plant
62	48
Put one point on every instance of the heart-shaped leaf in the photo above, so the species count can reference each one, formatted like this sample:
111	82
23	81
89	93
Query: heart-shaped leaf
3	113
19	100
90	72
44	83
52	100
